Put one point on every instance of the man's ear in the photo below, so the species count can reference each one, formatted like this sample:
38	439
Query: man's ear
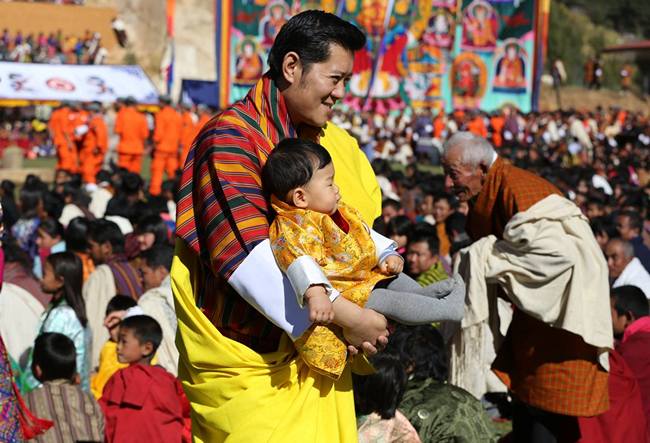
291	67
299	198
484	168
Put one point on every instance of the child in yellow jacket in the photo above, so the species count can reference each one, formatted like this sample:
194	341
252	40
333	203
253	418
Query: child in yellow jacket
325	250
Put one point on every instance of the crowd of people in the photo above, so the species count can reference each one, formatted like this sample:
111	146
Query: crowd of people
54	48
553	206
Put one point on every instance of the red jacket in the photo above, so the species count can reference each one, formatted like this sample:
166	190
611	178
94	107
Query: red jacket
635	349
624	421
145	403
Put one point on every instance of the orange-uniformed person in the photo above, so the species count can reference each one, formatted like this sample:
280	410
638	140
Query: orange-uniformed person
167	139
59	125
132	128
94	144
189	130
77	121
497	122
477	126
204	116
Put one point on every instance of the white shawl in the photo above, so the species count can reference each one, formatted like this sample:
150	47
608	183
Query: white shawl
550	266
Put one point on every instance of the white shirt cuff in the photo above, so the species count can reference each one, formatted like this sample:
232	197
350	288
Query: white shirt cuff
260	282
383	245
303	273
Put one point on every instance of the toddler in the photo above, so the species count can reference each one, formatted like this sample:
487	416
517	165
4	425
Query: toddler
326	250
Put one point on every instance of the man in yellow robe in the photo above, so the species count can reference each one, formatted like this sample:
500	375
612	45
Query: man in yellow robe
236	311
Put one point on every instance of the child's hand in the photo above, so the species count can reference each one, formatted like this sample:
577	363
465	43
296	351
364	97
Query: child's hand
112	321
391	265
320	306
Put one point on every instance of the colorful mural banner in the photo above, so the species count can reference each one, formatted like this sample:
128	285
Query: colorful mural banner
438	54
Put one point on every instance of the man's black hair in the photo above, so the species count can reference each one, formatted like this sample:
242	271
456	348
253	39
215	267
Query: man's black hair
292	164
630	299
425	233
153	224
56	355
120	303
102	231
382	391
391	203
634	219
158	255
145	329
310	35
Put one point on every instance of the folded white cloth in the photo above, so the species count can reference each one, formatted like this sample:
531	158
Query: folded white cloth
550	266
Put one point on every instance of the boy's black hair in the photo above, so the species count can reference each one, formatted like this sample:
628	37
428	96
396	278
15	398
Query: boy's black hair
399	225
389	202
102	231
56	355
120	303
145	329
158	255
310	34
630	299
382	391
421	347
292	164
52	227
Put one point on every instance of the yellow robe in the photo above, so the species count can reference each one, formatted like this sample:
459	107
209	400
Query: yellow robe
245	396
348	261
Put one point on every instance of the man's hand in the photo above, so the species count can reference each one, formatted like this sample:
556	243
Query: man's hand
391	265
320	306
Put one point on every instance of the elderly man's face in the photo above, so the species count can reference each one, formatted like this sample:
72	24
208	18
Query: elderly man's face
616	259
463	180
312	94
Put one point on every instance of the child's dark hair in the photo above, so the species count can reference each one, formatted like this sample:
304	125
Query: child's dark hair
399	225
68	267
630	299
52	228
292	164
76	235
56	356
155	225
382	391
158	255
120	303
106	231
145	329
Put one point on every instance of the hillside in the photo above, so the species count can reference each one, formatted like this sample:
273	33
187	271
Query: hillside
579	98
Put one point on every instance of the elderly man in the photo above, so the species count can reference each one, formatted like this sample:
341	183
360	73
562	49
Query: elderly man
624	268
236	314
540	250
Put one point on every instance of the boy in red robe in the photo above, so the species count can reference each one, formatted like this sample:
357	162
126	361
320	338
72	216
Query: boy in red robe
143	402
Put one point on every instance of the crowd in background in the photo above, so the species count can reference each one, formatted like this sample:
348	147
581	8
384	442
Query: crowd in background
54	48
597	159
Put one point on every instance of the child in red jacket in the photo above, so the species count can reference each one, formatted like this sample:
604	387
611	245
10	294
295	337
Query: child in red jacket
143	402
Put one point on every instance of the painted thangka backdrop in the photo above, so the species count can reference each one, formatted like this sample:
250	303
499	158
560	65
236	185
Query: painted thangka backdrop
442	54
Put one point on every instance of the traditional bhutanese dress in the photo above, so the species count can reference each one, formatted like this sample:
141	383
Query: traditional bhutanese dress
238	365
